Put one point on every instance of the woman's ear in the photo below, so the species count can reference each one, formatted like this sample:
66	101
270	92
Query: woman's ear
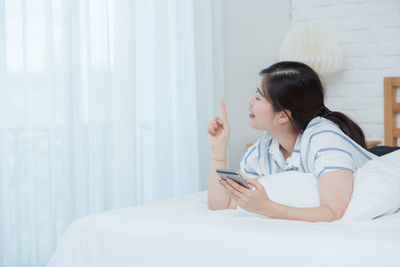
285	116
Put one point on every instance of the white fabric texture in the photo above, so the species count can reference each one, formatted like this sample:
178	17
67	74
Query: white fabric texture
321	148
184	232
376	190
94	95
292	188
181	231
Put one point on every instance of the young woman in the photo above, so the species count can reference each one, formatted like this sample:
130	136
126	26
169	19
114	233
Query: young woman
300	134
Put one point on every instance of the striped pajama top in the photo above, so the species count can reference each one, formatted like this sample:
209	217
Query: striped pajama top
322	147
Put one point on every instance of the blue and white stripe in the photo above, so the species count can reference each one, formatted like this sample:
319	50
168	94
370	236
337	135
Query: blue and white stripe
321	148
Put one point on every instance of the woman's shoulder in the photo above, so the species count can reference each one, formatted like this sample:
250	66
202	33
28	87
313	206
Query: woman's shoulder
320	125
321	132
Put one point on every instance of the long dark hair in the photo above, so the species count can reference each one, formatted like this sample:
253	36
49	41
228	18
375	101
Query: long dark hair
296	87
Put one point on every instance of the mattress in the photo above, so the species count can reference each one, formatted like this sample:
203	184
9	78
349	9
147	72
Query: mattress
183	232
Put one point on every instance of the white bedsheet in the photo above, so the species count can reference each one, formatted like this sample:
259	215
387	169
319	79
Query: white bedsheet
183	232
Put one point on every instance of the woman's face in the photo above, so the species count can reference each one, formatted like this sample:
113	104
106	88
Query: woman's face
261	113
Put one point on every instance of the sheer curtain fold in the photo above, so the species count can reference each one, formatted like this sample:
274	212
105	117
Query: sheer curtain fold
102	105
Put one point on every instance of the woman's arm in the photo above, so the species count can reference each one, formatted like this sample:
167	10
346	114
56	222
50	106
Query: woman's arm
218	131
335	187
218	197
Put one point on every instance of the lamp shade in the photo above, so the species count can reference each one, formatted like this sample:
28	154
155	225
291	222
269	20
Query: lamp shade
313	46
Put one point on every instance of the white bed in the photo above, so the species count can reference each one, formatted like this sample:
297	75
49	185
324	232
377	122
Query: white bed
183	232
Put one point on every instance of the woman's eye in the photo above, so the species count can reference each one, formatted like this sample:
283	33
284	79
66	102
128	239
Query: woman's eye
257	98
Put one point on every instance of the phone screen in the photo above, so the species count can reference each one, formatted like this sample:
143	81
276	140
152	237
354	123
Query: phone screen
234	175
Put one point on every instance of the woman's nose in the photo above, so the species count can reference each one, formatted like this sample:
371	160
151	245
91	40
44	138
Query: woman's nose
251	101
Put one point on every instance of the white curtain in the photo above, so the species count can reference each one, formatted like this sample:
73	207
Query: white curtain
103	105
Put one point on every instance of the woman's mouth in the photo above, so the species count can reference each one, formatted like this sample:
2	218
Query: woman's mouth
251	115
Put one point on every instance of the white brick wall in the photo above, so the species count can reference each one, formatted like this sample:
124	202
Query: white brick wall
369	32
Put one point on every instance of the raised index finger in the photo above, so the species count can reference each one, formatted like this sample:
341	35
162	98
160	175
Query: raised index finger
224	115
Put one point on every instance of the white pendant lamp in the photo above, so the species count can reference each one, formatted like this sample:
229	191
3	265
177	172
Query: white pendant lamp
313	46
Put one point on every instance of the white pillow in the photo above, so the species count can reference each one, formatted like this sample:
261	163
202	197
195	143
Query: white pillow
291	188
376	189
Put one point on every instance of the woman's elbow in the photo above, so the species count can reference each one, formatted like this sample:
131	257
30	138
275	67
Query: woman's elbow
214	207
211	207
334	215
334	218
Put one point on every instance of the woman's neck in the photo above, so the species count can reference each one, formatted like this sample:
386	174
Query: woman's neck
287	141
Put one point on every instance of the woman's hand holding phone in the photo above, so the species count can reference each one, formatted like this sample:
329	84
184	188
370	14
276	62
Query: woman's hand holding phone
255	200
218	134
